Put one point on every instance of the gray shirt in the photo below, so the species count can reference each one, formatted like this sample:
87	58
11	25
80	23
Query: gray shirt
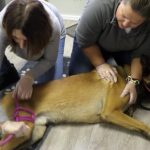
47	58
98	25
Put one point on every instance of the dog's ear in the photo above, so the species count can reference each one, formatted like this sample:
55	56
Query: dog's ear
145	61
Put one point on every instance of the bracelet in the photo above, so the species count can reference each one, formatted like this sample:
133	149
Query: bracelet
133	80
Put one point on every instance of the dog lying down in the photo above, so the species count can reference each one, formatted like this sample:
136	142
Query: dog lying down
83	98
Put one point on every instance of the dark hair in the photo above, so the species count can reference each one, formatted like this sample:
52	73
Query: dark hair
31	18
140	6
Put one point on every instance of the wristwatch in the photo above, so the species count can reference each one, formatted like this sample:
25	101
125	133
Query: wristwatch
133	80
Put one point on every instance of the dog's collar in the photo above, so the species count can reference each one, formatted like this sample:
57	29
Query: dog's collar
18	117
31	118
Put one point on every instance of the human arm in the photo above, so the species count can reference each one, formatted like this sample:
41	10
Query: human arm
88	34
105	70
136	67
136	73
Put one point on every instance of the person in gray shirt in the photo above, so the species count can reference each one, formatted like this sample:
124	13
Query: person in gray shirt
112	28
36	32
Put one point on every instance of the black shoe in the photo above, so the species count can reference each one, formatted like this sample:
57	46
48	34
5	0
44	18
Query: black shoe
8	77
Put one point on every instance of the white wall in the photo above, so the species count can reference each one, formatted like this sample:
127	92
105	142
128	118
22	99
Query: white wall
70	9
7	1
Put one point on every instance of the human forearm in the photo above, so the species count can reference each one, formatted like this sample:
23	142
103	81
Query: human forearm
104	70
136	74
24	86
94	54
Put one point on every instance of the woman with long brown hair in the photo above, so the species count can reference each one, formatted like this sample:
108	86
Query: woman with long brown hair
35	31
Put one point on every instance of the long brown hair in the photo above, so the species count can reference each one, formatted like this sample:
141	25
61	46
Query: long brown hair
31	18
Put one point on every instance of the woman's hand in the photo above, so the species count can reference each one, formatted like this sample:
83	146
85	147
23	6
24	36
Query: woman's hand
107	72
130	89
24	88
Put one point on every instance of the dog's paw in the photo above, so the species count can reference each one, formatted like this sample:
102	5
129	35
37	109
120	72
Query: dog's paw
19	129
38	133
41	120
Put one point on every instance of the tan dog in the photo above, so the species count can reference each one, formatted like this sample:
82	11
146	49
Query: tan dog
83	98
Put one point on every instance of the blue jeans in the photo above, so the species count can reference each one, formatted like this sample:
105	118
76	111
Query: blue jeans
80	63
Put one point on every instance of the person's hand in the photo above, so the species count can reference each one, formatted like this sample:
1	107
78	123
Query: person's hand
17	128
107	72
130	89
24	88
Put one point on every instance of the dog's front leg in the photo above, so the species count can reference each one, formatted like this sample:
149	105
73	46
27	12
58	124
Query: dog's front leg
39	128
119	118
38	133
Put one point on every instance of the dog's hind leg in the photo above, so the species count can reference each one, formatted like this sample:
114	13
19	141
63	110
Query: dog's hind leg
119	118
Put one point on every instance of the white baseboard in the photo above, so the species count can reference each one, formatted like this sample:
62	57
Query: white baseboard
70	17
